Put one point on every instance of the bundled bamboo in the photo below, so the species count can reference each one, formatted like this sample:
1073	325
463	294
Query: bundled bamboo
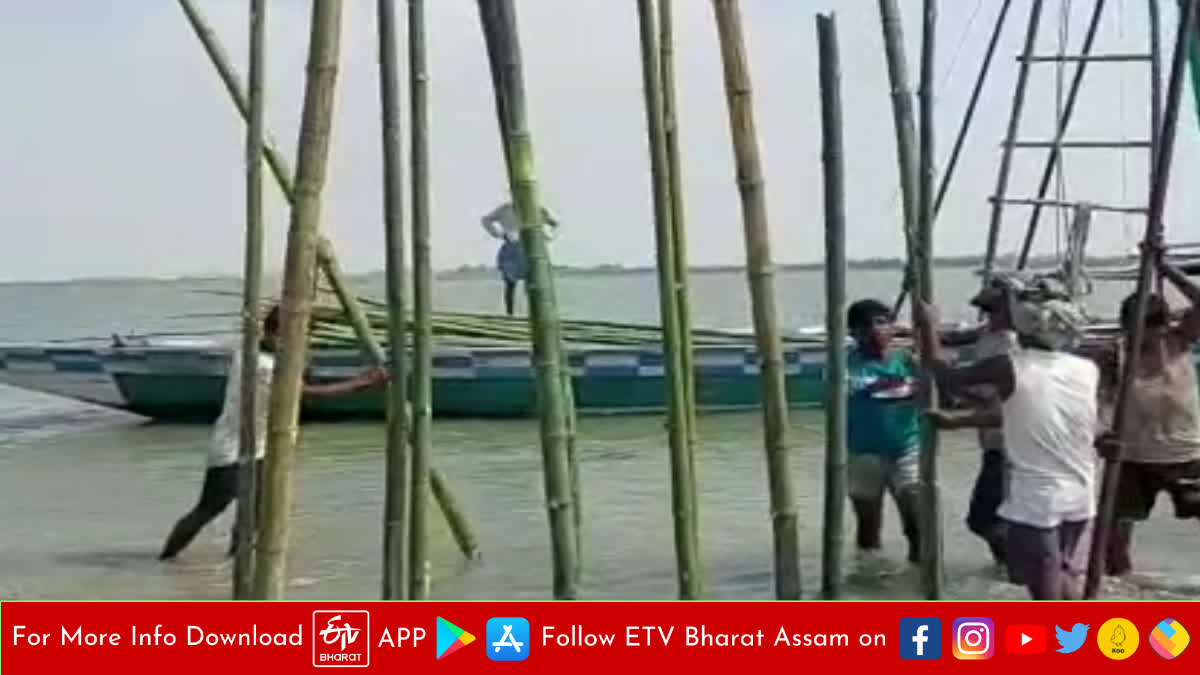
762	297
835	306
499	17
247	497
932	572
396	500
422	374
682	482
300	267
666	48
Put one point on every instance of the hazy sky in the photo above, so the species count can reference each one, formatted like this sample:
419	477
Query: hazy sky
121	155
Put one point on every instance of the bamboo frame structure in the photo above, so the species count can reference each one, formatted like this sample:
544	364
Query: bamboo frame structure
682	481
666	49
759	272
270	578
1055	157
396	499
422	270
247	495
1151	245
499	17
466	539
932	567
835	306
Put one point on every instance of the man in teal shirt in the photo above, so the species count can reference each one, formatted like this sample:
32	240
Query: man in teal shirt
884	432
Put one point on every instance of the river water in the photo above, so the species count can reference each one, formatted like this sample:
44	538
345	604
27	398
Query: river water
89	494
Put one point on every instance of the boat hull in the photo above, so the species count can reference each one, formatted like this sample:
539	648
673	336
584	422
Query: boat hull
187	384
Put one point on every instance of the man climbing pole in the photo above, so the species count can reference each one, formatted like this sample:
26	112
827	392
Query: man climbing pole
504	224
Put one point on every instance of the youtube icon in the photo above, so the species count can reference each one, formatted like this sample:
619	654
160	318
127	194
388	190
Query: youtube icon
1025	639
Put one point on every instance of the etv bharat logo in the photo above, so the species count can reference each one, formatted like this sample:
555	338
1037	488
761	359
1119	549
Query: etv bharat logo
341	639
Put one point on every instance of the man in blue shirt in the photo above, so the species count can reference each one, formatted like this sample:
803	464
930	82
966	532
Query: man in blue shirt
884	433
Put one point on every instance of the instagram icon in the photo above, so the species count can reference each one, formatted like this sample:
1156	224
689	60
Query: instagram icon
973	638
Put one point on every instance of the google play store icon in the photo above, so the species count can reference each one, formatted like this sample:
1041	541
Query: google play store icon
451	638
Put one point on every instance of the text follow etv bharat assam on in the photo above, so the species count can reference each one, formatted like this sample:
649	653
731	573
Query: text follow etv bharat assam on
69	636
576	635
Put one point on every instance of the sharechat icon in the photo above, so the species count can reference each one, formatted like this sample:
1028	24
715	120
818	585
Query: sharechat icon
1071	640
1169	638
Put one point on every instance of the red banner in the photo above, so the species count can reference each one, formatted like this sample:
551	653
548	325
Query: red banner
351	638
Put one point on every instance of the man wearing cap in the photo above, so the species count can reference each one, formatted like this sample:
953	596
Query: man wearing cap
1049	416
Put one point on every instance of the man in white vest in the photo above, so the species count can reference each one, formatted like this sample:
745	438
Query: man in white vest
504	223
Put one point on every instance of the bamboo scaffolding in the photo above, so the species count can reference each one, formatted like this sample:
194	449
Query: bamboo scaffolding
1055	157
1151	243
666	49
270	578
682	485
499	16
932	568
961	138
422	375
759	274
246	521
396	499
835	306
283	178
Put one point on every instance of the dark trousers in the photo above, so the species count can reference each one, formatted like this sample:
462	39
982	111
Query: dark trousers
510	290
1051	561
986	498
218	491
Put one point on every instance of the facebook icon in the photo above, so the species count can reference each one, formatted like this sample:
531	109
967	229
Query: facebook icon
920	638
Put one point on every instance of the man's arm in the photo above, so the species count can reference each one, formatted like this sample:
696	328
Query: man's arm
367	380
1189	326
995	371
549	218
491	223
963	419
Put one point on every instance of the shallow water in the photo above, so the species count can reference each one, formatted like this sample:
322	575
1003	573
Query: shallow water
90	494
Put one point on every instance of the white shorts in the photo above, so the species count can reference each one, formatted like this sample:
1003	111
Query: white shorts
868	475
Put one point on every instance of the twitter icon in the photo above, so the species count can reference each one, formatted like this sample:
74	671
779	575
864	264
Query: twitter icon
1071	640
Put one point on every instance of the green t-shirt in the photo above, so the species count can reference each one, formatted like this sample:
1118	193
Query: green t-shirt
882	423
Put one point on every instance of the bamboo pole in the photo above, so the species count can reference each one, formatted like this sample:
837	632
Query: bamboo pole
366	339
283	178
246	516
422	376
961	138
1194	63
496	48
682	486
1151	243
396	498
835	306
906	133
666	48
548	359
759	273
316	121
932	568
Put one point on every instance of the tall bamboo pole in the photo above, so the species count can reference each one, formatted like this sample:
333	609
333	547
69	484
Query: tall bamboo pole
835	306
1151	243
666	49
300	268
961	138
1194	63
1155	21
283	178
496	49
243	563
543	310
760	275
932	573
682	487
906	132
422	384
396	500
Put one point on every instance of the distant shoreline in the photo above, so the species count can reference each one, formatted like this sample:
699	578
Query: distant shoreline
488	271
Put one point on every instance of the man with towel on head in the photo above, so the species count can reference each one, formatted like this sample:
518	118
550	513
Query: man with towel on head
1049	414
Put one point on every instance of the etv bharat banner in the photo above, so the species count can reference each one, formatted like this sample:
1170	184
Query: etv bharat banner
182	638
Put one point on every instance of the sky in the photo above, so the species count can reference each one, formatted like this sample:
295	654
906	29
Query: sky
121	154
